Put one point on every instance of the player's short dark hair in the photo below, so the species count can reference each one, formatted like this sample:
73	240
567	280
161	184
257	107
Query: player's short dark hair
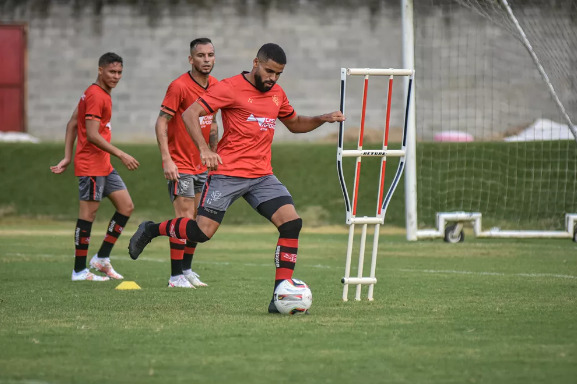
199	41
109	58
271	51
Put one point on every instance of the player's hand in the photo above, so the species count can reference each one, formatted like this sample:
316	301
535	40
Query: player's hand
130	162
60	167
170	170
210	159
333	117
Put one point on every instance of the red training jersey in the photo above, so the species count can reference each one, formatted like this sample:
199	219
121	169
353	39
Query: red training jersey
249	121
95	104
181	93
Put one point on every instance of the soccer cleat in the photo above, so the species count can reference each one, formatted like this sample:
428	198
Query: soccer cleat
194	278
179	281
87	275
139	240
272	307
103	265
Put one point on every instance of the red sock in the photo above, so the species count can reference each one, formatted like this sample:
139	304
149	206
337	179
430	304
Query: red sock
285	258
115	227
188	255
287	247
176	253
175	228
81	243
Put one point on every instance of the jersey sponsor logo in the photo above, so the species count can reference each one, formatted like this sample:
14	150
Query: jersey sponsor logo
264	123
205	120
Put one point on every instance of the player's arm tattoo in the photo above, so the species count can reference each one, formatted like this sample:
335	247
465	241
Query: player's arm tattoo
213	137
165	115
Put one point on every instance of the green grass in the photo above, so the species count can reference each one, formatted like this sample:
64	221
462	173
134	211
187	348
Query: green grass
483	311
514	185
308	170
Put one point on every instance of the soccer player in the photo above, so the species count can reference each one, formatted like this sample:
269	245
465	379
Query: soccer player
180	158
90	122
250	104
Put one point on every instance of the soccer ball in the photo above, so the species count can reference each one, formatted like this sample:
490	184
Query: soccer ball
293	297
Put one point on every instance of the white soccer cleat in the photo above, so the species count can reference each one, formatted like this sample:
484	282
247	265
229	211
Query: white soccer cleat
194	278
179	282
103	265
88	276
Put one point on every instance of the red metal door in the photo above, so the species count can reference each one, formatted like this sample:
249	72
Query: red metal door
13	78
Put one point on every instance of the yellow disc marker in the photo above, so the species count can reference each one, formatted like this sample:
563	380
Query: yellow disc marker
128	285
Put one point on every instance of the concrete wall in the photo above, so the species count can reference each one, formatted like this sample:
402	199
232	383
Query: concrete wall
66	37
65	43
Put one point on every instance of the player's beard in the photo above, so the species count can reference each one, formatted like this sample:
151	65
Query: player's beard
203	71
261	85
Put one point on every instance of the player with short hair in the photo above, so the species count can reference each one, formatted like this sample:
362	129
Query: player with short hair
90	123
181	163
250	104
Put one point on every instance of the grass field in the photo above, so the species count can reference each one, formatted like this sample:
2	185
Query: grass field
507	196
483	311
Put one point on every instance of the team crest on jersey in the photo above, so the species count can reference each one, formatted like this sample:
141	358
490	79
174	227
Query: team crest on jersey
275	100
264	123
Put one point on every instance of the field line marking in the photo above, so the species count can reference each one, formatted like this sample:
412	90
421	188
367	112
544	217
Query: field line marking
321	266
555	275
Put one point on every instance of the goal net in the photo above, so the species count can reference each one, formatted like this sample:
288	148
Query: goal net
496	92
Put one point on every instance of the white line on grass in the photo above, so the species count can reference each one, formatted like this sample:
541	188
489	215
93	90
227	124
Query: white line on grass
555	275
320	266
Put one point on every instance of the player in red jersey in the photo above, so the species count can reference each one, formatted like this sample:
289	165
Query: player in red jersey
180	158
250	103
90	123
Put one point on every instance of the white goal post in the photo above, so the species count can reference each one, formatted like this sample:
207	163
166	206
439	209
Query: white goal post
492	132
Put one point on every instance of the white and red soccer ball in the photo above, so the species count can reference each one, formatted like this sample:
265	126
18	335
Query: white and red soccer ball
293	297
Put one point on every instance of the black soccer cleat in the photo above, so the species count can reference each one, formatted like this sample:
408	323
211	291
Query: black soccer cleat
139	240
272	307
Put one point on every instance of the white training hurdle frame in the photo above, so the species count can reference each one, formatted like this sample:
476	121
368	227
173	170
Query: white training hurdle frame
351	209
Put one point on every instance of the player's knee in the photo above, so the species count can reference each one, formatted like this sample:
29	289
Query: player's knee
129	209
194	233
291	229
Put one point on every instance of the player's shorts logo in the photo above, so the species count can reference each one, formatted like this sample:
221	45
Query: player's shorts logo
213	196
